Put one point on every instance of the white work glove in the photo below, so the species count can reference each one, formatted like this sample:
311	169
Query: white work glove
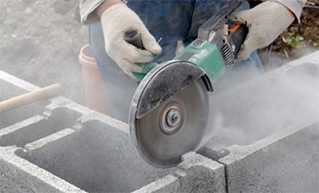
116	21
266	22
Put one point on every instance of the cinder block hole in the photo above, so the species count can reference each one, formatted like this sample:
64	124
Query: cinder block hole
97	159
7	118
60	118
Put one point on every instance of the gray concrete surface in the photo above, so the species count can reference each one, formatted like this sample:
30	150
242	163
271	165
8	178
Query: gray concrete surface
284	162
40	41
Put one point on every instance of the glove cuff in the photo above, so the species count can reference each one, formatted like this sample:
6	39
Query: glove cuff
295	6
112	8
88	8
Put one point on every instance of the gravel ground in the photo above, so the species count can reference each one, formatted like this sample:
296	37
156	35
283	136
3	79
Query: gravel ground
300	35
40	41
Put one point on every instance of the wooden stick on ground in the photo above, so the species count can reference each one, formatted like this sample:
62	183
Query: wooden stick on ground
31	97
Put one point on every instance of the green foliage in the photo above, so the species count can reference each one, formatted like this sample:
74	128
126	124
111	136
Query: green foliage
295	41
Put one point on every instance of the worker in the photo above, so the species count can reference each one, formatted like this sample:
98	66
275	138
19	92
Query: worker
164	27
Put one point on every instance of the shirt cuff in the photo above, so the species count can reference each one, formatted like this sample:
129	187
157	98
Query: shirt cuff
87	9
295	6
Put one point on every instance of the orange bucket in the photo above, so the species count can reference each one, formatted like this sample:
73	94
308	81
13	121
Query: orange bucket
93	83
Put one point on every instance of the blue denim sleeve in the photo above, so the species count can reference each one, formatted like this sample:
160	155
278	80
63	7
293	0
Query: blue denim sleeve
171	21
168	20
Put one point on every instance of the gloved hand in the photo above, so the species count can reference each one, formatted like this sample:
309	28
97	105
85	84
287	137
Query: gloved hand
266	22
117	20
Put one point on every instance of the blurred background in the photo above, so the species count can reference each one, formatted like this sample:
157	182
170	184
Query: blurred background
40	41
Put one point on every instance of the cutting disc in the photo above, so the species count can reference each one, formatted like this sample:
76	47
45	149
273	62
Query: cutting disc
175	127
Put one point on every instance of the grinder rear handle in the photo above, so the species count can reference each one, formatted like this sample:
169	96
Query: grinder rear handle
237	36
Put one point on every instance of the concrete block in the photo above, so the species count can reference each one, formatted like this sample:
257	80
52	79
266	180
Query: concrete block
66	147
195	174
20	176
96	158
286	162
43	125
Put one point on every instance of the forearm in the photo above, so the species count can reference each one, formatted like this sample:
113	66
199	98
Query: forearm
295	6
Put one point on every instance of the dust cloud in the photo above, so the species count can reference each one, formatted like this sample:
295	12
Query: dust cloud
250	110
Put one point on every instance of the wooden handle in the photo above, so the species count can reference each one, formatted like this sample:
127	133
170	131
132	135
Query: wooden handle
31	97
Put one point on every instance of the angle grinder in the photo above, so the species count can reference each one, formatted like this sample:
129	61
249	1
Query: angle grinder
169	110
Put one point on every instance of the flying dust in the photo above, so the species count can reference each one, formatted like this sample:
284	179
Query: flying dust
250	110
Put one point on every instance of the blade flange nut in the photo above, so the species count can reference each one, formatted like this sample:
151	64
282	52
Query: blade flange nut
172	120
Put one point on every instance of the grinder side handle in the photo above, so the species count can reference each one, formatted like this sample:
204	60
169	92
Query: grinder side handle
135	38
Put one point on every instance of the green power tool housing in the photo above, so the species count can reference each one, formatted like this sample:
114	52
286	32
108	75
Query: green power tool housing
169	110
219	40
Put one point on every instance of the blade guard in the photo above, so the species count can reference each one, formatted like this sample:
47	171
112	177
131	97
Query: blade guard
163	82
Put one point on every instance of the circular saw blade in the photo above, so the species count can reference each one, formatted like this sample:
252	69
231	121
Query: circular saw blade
174	128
